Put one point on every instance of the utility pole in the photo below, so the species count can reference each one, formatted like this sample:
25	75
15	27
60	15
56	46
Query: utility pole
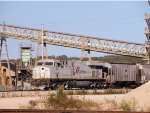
42	43
41	35
82	49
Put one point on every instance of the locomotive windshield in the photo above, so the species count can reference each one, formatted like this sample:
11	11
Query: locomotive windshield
40	63
48	63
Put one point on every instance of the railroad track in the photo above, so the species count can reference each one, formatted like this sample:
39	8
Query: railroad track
65	90
60	111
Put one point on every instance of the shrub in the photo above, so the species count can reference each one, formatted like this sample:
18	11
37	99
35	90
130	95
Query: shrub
61	101
113	103
33	103
128	105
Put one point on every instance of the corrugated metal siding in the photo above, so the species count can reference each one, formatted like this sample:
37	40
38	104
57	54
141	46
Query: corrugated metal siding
146	72
124	72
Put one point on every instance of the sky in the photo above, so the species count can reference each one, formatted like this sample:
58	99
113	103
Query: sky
117	20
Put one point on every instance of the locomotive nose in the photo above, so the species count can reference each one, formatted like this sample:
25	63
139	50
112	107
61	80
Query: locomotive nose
44	72
41	72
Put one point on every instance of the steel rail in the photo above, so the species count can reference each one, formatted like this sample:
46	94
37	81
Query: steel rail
60	111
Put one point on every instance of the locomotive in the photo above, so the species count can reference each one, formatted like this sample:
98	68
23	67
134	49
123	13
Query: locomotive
88	75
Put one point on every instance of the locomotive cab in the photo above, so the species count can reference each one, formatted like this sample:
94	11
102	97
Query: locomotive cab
42	69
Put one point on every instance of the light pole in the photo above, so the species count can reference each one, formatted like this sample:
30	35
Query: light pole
42	44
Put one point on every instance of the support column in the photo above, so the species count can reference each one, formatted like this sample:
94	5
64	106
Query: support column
82	48
3	44
89	50
44	47
38	48
147	33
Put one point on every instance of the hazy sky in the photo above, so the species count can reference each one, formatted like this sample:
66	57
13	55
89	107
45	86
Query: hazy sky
113	20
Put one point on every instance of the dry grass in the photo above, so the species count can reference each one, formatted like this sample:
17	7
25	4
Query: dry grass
128	105
124	105
114	91
62	101
98	92
111	104
81	92
19	94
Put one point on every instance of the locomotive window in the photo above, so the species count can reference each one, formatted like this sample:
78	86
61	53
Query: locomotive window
95	67
40	63
48	63
57	64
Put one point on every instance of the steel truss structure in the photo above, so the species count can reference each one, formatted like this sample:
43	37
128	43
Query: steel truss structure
147	33
3	76
87	43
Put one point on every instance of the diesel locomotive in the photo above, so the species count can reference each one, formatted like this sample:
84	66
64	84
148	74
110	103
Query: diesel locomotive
88	75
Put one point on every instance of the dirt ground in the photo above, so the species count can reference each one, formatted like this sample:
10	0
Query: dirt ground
140	94
18	102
